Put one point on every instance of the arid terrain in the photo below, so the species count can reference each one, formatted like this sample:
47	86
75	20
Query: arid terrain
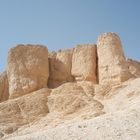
89	92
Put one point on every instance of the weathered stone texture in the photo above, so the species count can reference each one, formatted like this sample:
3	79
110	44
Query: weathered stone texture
134	67
80	108
27	69
72	97
26	108
4	87
111	60
84	63
60	64
21	111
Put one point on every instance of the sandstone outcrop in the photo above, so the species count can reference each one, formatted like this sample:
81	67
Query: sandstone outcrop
24	110
111	60
70	98
93	93
60	64
84	63
134	67
4	87
27	69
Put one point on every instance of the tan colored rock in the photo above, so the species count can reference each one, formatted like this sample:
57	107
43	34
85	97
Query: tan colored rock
4	87
26	108
60	64
81	109
111	60
84	63
88	87
134	67
17	112
120	122
71	98
27	69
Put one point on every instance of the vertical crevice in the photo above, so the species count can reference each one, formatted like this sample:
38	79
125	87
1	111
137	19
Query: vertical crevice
97	66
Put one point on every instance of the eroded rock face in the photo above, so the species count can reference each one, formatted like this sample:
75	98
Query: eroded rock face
84	63
27	69
112	65
26	108
17	112
60	64
71	98
134	67
80	108
4	87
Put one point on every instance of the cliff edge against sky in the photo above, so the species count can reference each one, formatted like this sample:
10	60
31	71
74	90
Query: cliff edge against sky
88	92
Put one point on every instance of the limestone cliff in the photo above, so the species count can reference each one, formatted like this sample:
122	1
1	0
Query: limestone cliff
87	92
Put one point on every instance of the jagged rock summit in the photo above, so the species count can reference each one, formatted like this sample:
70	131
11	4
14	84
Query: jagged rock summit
87	92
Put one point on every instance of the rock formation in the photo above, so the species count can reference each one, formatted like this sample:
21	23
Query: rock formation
27	69
87	92
111	60
70	98
4	87
26	108
60	64
134	67
84	63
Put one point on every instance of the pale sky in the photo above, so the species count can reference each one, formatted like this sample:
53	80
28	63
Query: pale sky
65	23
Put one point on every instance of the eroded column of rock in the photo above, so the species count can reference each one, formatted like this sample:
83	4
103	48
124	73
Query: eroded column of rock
111	60
84	63
60	64
4	87
27	69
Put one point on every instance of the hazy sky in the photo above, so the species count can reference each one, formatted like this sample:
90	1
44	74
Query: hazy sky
65	23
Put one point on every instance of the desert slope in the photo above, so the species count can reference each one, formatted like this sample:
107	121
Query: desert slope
120	121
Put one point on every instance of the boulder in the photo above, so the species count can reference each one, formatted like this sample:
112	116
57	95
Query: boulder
84	63
112	67
60	64
27	69
4	87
